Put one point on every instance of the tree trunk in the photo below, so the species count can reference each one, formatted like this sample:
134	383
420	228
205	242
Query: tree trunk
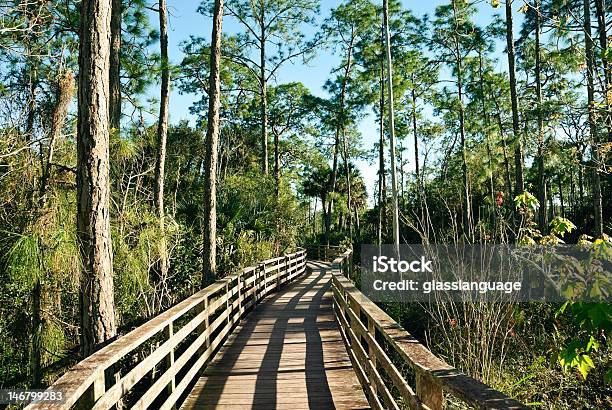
212	142
35	356
588	46
487	125
381	155
65	90
561	196
332	185
518	143
93	194
543	211
264	100
340	130
467	211
572	200
115	67
416	140
162	133
348	183
395	210
276	164
607	77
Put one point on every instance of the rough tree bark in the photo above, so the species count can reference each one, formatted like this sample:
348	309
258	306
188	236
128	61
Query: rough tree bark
212	142
162	134
115	67
93	219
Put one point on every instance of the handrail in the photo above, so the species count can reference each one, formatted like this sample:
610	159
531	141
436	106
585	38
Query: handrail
169	350
324	252
373	339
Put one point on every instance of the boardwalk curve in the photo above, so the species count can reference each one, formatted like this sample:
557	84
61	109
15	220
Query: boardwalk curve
289	354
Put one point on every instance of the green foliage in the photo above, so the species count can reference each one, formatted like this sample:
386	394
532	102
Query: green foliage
24	261
527	200
560	226
253	224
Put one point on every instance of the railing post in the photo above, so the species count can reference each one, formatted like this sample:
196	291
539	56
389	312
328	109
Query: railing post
227	303
170	360
265	275
94	393
428	391
204	325
372	351
239	285
257	282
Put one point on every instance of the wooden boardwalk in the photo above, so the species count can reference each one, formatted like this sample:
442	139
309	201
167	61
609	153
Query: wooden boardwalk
287	354
280	332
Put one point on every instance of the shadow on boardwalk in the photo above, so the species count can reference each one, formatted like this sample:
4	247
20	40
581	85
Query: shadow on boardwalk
288	353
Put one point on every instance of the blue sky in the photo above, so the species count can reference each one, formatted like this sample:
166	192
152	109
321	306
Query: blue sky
184	21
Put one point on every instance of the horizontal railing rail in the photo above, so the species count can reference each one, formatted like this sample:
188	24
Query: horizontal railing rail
380	349
165	355
324	252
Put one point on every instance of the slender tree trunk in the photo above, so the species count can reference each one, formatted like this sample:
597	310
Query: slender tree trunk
347	73
32	78
395	210
572	199
588	46
487	124
607	77
415	133
543	211
467	211
518	143
581	179
115	67
212	142
381	154
332	185
162	133
93	193
276	164
561	196
65	90
263	83
505	152
339	131
357	227
35	357
348	183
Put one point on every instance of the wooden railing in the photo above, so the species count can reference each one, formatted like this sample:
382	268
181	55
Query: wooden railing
164	355
385	356
324	252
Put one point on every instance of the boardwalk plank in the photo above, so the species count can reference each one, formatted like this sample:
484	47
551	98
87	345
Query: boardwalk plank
288	354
